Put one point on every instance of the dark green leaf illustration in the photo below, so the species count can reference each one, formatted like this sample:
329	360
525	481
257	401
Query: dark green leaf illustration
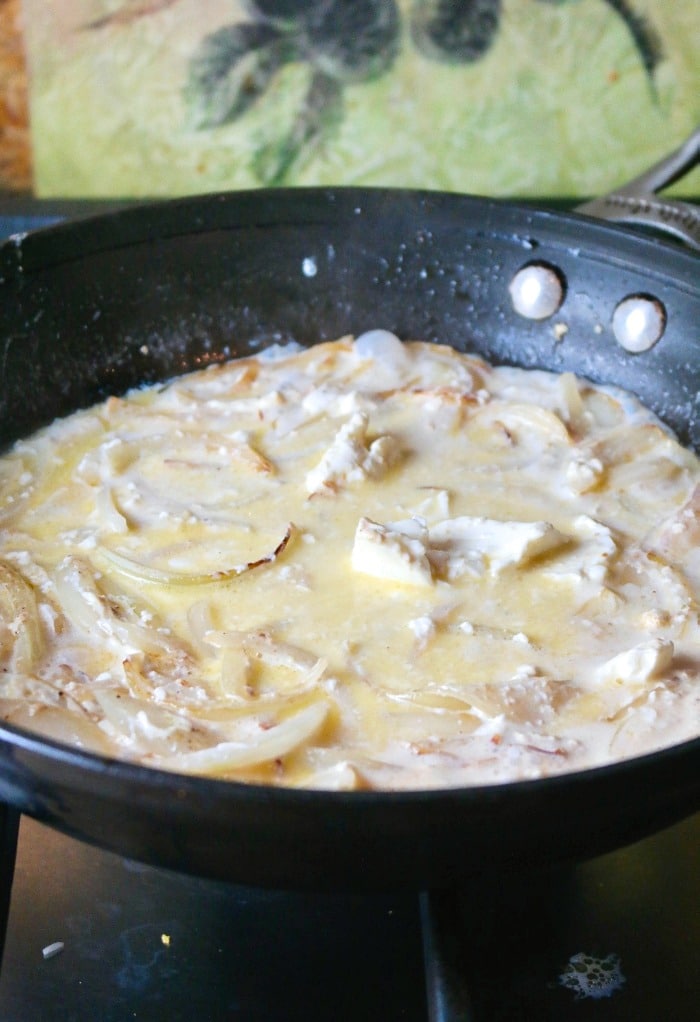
284	14
455	31
353	40
320	114
644	36
232	68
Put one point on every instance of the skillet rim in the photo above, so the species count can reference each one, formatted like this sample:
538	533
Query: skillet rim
90	763
28	251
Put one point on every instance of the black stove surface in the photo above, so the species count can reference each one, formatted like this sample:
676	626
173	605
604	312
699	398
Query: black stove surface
143	943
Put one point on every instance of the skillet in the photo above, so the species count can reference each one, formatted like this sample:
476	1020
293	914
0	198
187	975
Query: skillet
96	306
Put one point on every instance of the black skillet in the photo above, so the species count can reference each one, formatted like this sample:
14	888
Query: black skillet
93	307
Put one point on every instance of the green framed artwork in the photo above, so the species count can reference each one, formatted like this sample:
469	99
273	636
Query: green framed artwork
557	98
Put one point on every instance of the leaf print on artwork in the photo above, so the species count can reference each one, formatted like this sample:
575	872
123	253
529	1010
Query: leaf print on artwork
454	31
341	41
644	35
353	40
280	13
320	113
231	69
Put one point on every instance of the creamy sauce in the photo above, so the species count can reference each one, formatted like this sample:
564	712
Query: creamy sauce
365	564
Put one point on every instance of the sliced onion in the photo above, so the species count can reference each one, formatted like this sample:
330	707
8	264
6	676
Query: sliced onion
235	673
78	596
435	701
277	741
152	729
573	408
90	611
271	651
199	619
524	420
239	649
111	518
61	724
162	576
19	611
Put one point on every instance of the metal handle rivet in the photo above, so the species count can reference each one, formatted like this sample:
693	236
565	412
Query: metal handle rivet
638	322
537	291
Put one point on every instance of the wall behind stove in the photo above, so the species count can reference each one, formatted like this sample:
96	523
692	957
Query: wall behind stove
504	97
15	142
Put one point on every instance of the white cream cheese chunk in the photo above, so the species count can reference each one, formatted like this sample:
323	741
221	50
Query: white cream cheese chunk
584	473
637	666
351	457
413	553
395	552
465	544
590	555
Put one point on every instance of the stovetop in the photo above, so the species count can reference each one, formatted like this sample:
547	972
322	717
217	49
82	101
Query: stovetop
92	936
142	943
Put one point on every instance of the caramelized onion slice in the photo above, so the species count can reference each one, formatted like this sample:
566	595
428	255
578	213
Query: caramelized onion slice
162	576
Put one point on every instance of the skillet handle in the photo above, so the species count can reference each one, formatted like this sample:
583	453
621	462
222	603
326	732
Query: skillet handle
637	202
446	987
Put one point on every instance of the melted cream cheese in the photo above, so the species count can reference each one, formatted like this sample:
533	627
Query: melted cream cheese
365	564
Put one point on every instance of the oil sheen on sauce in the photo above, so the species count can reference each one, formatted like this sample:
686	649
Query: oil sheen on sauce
366	564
